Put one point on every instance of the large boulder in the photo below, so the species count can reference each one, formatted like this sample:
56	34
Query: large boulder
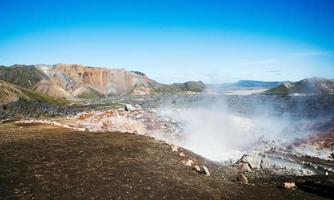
252	159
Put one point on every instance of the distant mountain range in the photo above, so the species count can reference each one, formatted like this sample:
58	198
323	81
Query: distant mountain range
257	84
308	86
73	81
60	82
244	85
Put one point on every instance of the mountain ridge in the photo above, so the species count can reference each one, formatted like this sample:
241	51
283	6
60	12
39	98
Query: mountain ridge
75	81
307	86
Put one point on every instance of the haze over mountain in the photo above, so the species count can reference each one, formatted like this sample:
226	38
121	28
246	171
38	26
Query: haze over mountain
249	84
243	85
308	86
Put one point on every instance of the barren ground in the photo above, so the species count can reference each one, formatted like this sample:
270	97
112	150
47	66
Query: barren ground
46	162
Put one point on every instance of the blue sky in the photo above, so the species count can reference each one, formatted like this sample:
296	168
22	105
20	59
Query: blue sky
175	40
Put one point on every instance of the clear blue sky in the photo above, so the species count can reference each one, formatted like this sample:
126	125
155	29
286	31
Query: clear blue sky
175	40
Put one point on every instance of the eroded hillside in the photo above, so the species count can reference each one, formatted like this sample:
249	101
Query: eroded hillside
73	81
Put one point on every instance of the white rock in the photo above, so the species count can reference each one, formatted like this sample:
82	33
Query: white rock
174	148
289	185
206	170
254	160
197	168
189	163
266	164
182	154
129	107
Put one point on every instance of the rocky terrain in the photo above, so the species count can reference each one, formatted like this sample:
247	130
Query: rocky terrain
41	162
25	109
67	128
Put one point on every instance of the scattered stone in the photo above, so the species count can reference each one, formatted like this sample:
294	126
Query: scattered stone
181	154
244	167
174	148
254	160
203	170
242	179
129	107
189	163
22	109
197	168
289	185
206	170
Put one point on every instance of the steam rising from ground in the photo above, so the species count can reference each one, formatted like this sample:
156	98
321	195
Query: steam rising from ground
218	133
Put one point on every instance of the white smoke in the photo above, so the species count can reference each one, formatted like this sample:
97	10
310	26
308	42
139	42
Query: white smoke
219	134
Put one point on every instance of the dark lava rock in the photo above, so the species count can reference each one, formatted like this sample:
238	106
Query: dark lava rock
35	109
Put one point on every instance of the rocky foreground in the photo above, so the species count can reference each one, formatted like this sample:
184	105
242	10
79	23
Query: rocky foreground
39	161
112	150
311	155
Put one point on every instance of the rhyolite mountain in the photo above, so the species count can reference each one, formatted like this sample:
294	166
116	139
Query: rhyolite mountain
308	86
73	81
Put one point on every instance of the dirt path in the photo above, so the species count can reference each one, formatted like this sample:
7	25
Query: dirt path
45	162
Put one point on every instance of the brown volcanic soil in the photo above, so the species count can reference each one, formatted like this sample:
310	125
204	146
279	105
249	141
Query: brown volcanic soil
45	162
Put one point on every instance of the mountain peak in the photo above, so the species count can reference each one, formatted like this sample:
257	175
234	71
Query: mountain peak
307	86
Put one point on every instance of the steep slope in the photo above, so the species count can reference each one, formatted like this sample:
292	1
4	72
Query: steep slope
31	77
309	86
9	93
106	81
48	87
91	82
22	75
